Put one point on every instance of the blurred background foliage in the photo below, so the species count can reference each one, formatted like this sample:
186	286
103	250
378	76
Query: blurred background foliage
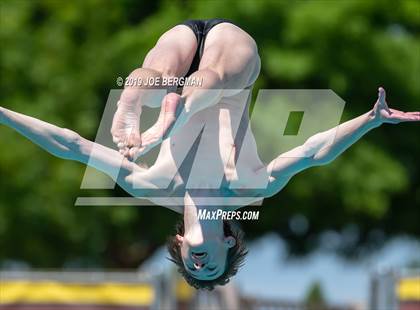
59	59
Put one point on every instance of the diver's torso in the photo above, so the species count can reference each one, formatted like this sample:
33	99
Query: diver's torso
213	155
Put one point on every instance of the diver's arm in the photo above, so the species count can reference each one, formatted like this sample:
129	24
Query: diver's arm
67	144
324	147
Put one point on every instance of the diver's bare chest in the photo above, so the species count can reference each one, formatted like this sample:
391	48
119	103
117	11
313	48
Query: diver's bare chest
203	157
204	153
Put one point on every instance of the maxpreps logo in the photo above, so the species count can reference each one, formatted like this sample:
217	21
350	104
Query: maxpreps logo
280	120
219	214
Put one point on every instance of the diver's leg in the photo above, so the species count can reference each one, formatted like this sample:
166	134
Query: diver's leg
171	57
230	63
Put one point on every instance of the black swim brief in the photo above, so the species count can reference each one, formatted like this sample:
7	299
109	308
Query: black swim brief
201	28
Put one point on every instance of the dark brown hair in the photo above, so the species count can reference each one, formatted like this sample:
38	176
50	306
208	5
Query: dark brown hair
234	260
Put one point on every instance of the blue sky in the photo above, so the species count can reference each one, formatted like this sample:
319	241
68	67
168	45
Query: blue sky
269	273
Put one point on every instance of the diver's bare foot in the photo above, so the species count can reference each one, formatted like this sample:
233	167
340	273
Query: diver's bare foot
126	127
170	110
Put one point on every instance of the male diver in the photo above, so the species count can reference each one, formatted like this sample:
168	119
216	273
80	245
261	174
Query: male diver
225	59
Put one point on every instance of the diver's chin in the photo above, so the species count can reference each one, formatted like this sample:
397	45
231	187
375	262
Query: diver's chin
195	244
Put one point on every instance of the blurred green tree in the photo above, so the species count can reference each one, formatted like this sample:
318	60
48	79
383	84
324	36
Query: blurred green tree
314	298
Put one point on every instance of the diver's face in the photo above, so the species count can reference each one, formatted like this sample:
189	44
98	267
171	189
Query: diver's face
206	260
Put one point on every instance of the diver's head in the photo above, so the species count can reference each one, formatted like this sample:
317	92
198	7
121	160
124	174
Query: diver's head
209	261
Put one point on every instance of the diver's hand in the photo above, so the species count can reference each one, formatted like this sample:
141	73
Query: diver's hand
381	113
2	115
